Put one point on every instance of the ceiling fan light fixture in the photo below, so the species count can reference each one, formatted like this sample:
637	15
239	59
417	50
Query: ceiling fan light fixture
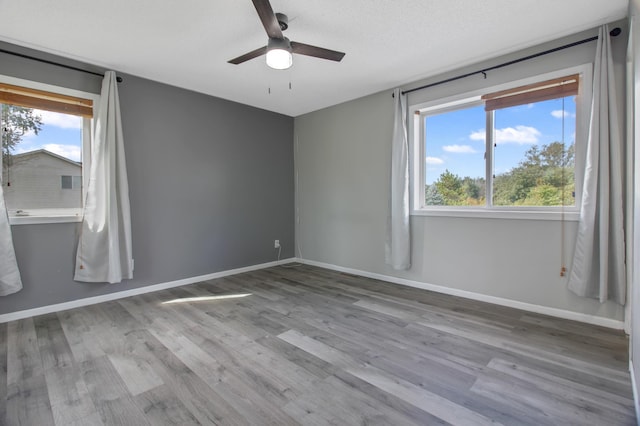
279	54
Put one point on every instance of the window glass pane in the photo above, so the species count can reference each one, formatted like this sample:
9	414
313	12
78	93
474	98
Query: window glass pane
454	157
41	160
66	182
534	154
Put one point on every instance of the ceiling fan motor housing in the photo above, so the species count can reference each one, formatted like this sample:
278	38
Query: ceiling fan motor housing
283	20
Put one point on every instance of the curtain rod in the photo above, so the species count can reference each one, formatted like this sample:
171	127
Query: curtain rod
46	61
614	33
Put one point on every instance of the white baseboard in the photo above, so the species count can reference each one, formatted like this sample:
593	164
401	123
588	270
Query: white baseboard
634	387
545	310
12	316
560	313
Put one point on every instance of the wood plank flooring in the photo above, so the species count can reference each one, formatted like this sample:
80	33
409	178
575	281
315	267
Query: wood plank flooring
303	345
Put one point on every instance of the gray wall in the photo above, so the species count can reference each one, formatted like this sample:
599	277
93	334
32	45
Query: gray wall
342	162
211	187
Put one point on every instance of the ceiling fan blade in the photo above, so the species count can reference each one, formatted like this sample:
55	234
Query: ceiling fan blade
318	52
253	54
268	18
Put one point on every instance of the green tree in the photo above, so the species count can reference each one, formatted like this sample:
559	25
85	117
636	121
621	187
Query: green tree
545	177
449	186
555	155
540	179
452	190
470	188
543	195
16	122
432	197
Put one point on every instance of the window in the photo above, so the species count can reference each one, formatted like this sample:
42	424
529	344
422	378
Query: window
454	169
45	134
71	182
506	149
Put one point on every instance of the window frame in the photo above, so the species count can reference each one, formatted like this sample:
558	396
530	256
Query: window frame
53	215
417	112
74	184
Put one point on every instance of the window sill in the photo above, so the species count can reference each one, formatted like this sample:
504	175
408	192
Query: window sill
570	215
42	216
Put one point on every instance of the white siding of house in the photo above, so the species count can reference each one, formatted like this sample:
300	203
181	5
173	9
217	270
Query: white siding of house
36	183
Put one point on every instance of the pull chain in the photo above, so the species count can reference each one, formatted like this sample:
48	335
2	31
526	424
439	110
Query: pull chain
563	183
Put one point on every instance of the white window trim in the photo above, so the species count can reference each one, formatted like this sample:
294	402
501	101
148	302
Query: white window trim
417	151
43	216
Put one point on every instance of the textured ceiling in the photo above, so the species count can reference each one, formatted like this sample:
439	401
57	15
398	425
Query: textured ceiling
387	42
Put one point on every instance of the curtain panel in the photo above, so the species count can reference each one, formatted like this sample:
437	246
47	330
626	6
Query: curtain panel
398	245
10	281
104	250
598	269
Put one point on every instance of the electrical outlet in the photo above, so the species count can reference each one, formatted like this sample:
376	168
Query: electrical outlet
276	244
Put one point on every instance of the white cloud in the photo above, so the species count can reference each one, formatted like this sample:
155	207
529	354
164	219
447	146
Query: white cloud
28	136
459	149
63	121
434	160
519	134
478	135
560	113
71	152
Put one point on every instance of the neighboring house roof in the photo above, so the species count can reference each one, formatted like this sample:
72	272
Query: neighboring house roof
44	151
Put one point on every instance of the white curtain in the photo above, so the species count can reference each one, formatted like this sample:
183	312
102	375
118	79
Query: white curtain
10	281
104	250
398	246
598	269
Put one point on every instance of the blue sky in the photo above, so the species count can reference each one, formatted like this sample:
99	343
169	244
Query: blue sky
455	140
60	133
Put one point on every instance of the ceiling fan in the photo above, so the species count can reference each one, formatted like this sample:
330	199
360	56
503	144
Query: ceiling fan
279	49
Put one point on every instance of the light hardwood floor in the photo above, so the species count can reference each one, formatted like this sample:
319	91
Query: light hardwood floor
303	345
